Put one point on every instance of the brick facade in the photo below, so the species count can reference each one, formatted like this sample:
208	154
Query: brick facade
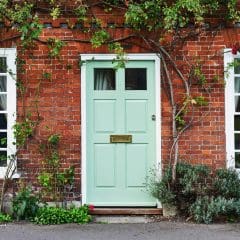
59	100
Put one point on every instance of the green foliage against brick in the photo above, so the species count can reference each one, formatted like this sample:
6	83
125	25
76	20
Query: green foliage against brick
55	45
54	215
52	179
25	203
169	15
23	130
99	38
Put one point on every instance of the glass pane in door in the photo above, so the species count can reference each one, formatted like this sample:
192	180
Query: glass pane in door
135	79
104	79
3	83
3	65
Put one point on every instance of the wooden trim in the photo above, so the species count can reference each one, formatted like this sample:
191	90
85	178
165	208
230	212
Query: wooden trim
126	211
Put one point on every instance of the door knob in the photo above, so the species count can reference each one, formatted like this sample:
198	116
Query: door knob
154	117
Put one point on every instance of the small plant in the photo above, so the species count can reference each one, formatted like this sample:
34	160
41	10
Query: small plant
23	130
81	12
5	218
55	46
47	76
54	215
25	204
54	139
99	37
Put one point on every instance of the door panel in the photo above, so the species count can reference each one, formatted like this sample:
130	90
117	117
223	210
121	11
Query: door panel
120	102
136	116
104	163
136	164
104	122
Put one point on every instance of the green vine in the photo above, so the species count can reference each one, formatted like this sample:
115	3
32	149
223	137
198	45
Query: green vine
55	45
23	130
52	179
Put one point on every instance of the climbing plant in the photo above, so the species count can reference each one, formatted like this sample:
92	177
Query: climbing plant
156	25
52	180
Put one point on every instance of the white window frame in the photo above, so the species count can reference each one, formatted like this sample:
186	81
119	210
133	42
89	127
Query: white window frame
229	108
10	54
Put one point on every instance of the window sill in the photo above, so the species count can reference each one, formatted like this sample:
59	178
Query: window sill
16	175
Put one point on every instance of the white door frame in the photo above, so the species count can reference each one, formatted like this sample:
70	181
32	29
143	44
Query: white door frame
110	57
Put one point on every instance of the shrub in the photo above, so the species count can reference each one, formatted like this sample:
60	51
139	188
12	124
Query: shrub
25	204
227	183
54	215
192	179
197	193
5	218
161	188
206	209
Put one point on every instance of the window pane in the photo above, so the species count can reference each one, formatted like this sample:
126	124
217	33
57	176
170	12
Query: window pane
3	140
237	103
237	141
237	123
3	158
135	79
3	65
3	102
3	83
3	121
237	85
237	66
237	160
104	79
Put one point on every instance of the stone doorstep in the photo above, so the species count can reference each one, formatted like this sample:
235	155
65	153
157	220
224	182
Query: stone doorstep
124	215
122	219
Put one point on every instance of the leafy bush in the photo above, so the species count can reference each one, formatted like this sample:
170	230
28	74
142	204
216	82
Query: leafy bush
54	215
5	218
197	193
227	183
192	179
161	188
206	209
25	204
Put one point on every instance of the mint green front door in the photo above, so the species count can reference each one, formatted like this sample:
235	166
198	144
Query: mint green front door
120	102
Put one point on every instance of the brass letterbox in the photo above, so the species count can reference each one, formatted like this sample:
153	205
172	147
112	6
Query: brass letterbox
120	138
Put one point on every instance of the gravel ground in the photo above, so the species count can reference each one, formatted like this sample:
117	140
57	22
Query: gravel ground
127	231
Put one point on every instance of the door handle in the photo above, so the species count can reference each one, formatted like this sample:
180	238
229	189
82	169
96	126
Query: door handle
153	117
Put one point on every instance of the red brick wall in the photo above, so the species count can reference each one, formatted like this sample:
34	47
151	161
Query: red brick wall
59	99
